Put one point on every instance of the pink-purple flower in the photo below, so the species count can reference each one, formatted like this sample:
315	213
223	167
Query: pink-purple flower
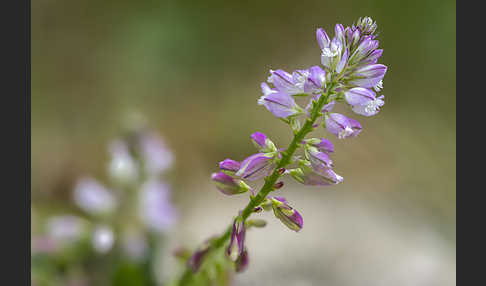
286	214
279	103
342	126
364	101
256	166
229	185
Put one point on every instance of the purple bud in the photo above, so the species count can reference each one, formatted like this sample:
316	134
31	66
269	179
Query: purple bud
196	260
256	166
259	139
369	75
279	103
262	142
229	185
343	61
339	33
229	167
278	185
322	38
321	144
241	264
318	158
364	48
236	246
372	58
286	214
342	126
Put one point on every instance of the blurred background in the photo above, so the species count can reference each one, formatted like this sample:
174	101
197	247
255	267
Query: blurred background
193	69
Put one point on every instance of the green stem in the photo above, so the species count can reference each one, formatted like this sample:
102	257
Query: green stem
272	179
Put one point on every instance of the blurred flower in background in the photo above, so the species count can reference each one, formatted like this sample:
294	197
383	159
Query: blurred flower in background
125	222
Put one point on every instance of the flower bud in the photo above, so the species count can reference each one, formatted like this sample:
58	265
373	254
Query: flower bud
278	185
229	167
258	210
342	126
321	144
262	142
236	246
256	223
229	185
196	260
286	214
241	264
366	25
317	157
322	38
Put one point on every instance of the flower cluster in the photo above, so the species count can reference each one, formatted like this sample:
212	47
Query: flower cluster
349	74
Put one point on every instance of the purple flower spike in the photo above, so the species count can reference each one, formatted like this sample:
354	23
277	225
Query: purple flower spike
241	264
286	214
236	246
256	166
364	101
341	126
369	75
229	167
285	82
229	185
322	38
280	104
